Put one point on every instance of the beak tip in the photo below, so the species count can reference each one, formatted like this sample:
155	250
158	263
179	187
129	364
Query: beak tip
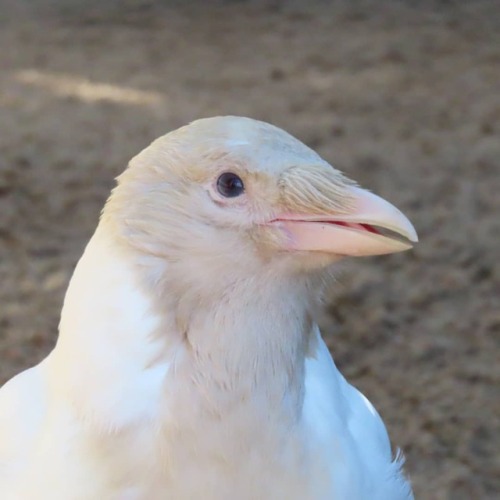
412	234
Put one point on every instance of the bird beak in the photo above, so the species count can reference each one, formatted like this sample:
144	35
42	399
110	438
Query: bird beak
371	226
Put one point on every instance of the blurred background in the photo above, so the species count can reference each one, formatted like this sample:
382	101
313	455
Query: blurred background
403	96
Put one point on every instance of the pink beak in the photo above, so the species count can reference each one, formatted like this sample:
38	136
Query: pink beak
372	227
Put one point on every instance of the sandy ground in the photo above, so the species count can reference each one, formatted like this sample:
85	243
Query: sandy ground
405	99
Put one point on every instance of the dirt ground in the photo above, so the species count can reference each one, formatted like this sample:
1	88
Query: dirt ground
403	96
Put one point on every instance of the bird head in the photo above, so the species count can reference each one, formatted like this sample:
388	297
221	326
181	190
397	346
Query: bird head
228	195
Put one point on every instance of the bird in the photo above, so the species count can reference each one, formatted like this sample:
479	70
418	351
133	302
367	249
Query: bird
188	363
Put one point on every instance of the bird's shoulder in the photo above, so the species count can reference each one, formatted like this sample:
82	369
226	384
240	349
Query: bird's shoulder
22	406
328	394
348	429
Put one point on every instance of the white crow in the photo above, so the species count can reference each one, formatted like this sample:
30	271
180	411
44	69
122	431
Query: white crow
188	364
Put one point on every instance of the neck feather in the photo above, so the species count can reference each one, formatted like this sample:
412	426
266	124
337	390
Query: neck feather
128	351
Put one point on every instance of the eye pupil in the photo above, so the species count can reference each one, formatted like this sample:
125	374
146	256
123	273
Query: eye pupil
230	185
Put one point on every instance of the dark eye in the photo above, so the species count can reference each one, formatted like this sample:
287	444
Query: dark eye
230	185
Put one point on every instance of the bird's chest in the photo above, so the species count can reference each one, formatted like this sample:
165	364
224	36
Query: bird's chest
222	457
237	442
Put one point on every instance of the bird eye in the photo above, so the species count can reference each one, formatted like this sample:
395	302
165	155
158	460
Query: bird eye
230	185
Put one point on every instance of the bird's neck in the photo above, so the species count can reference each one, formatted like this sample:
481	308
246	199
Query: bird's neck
127	352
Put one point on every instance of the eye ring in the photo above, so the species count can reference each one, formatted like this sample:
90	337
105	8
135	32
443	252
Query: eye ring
230	185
